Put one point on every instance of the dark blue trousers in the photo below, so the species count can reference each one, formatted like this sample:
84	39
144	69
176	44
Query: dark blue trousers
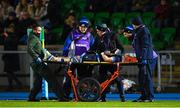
146	79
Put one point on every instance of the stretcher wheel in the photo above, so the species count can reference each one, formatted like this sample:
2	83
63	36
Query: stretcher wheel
88	89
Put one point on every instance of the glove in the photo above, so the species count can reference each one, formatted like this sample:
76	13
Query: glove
118	52
107	52
143	62
38	60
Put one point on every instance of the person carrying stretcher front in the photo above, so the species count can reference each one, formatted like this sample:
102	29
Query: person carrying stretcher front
110	49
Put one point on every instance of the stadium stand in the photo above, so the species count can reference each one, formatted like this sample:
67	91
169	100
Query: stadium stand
129	16
148	18
169	34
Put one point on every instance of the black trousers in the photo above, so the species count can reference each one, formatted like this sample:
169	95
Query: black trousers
103	75
40	72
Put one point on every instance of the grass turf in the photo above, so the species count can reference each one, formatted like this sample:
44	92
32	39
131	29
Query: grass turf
155	104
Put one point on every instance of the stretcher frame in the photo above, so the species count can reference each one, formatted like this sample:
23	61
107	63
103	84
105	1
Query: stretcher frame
103	85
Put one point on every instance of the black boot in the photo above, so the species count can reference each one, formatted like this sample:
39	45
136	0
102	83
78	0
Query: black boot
103	97
33	100
102	100
122	98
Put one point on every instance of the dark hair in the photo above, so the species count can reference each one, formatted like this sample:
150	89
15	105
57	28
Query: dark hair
34	26
102	27
137	20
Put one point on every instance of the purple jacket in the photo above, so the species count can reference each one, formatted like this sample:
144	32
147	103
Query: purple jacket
83	42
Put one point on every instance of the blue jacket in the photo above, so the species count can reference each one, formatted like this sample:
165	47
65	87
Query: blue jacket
142	43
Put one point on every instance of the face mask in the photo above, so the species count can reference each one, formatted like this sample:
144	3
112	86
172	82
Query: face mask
37	34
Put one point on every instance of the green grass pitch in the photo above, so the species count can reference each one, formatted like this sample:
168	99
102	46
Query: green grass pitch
109	104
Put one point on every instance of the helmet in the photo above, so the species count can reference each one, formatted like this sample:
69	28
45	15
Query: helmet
84	22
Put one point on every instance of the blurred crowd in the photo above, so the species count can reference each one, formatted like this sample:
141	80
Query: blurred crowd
16	16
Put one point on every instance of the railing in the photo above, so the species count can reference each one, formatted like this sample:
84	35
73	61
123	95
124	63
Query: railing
167	61
25	61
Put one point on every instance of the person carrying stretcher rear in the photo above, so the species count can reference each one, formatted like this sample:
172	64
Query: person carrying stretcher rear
110	49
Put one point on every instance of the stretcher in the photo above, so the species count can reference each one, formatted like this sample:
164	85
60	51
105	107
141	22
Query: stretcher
89	89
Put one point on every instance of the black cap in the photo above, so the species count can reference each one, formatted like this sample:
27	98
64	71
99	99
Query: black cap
137	20
102	27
